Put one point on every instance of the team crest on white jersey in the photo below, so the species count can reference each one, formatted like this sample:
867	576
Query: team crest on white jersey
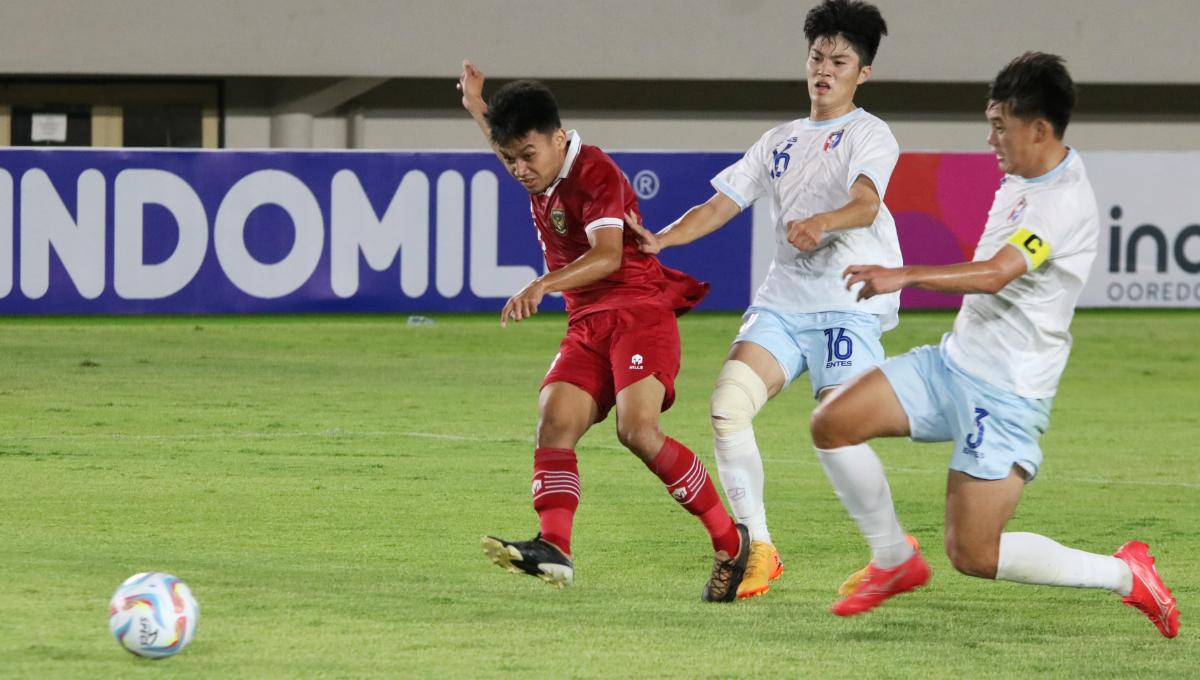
832	141
1017	211
635	362
559	219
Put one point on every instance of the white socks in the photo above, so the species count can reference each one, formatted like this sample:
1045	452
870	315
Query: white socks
857	477
739	465
1030	558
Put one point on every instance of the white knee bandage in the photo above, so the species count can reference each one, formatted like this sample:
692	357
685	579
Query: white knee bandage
736	399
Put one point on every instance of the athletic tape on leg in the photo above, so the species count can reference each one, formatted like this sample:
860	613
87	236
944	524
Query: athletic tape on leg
736	399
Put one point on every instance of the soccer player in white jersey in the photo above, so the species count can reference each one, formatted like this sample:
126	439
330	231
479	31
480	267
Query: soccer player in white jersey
824	178
989	385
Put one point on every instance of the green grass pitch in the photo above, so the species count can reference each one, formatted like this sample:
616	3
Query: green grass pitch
322	484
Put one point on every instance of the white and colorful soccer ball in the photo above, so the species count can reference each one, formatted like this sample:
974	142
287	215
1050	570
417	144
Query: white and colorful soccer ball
153	614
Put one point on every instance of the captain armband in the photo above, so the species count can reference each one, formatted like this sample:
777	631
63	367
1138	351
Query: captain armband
1035	249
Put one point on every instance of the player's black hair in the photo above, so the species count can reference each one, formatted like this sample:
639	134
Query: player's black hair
521	107
860	23
1036	85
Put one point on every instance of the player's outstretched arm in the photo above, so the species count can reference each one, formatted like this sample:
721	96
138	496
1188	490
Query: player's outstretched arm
985	276
602	259
859	211
470	84
697	222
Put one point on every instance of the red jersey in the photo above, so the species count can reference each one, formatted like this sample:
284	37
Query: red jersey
592	193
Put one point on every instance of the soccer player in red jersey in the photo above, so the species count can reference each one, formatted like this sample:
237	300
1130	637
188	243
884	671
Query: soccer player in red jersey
622	342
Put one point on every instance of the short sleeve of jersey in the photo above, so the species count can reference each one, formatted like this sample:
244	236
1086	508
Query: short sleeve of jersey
874	156
747	180
603	196
1041	233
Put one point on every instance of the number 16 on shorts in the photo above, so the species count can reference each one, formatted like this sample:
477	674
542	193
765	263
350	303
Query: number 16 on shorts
839	347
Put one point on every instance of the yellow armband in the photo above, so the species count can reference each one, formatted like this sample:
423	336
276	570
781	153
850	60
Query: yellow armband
1032	246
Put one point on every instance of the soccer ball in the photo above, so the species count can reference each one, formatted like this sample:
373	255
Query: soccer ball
153	614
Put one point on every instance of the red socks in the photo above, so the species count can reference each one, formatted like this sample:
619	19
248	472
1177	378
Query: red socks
556	494
688	483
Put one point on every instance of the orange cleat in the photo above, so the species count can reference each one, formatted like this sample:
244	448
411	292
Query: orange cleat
880	584
763	567
1149	595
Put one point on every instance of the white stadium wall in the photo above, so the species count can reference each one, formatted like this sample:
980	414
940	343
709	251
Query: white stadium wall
454	130
931	40
379	73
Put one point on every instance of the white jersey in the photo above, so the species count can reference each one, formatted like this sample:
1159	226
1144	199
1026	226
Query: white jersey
806	167
1019	338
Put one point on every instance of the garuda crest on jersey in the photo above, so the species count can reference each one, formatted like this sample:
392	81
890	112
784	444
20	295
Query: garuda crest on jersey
558	218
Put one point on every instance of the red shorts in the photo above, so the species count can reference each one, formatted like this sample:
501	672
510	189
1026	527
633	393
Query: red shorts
607	351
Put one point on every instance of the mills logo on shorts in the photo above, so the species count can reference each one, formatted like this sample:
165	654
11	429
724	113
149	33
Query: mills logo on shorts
635	362
559	219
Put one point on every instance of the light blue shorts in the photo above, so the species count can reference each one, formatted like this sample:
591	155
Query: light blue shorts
992	429
832	346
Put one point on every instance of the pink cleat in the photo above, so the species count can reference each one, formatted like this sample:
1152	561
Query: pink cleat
878	585
1149	595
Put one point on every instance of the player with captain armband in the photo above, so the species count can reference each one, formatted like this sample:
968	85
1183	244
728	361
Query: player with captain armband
988	387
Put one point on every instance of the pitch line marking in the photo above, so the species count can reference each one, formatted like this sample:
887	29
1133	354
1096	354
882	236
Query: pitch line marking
338	433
